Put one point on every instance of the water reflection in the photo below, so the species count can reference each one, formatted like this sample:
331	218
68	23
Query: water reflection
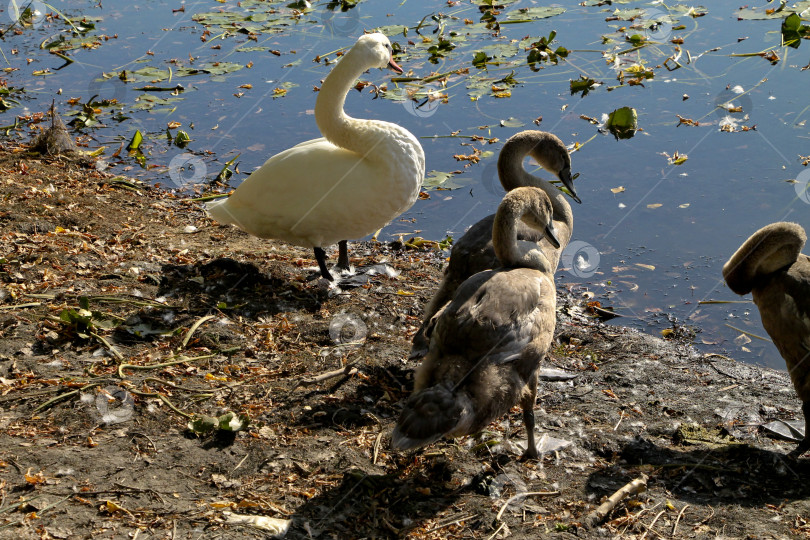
652	250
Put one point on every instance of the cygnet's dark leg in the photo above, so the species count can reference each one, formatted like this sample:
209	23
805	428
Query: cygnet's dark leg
343	256
804	446
421	339
320	256
528	419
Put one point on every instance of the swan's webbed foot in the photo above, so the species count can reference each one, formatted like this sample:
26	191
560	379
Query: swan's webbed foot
804	445
320	256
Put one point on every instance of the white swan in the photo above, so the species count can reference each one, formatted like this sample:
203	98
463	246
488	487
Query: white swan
772	268
346	185
474	251
487	344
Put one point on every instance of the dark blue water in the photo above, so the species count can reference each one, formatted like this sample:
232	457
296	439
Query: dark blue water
656	248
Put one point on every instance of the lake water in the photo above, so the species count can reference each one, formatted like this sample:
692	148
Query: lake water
657	234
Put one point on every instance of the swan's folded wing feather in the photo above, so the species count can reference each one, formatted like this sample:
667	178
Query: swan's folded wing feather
310	188
496	315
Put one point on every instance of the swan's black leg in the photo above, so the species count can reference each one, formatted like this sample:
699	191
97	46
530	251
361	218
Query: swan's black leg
343	255
320	256
528	419
804	446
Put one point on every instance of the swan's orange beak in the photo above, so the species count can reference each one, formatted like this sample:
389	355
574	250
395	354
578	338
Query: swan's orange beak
393	65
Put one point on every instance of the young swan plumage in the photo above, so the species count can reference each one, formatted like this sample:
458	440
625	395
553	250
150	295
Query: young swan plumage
474	251
346	185
486	345
770	265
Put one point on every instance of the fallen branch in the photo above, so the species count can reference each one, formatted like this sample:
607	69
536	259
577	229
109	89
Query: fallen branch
631	488
347	370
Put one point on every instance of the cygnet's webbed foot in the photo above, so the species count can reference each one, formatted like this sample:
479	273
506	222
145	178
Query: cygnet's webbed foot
804	445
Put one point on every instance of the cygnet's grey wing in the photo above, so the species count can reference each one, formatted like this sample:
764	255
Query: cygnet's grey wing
784	306
495	315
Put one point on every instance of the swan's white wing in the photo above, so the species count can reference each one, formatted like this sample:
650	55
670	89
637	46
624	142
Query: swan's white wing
314	194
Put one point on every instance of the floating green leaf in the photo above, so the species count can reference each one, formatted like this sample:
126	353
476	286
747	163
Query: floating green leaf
793	31
583	84
182	139
623	122
136	141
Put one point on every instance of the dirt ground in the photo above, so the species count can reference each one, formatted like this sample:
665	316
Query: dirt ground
124	311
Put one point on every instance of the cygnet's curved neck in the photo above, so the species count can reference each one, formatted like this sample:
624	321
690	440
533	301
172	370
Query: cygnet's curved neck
512	174
504	237
768	250
335	125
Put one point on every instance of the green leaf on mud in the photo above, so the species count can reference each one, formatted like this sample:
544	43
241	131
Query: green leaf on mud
202	424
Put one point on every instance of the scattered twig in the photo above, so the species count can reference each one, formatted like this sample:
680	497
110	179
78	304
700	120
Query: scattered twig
110	347
347	370
39	512
182	360
21	306
241	462
677	519
60	397
450	521
631	488
519	495
650	527
165	400
193	329
154	447
747	333
493	535
17	504
376	448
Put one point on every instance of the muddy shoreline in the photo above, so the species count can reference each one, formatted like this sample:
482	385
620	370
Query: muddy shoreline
98	272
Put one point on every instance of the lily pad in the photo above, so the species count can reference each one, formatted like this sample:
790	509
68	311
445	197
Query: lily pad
771	13
534	13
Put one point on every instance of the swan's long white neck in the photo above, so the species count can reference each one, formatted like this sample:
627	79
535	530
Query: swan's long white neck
505	242
335	125
513	175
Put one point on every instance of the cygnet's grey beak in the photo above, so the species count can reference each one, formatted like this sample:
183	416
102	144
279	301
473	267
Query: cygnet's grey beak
393	65
568	182
551	234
